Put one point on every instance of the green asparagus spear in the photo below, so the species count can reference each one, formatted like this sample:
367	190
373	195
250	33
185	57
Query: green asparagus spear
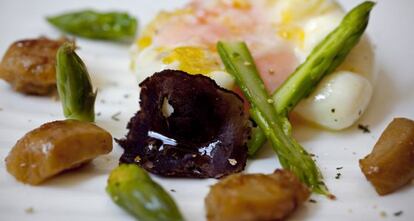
323	60
96	25
239	62
254	143
74	85
133	189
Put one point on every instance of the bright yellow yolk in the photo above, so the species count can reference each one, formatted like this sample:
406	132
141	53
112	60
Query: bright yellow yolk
192	60
293	33
241	4
144	42
295	13
290	31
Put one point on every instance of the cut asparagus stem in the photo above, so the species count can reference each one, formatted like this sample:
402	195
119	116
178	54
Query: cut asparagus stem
133	189
74	85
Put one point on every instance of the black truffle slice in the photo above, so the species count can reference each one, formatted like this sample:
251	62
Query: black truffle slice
187	127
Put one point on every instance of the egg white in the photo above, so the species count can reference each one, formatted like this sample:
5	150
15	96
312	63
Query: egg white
149	61
343	96
348	90
338	101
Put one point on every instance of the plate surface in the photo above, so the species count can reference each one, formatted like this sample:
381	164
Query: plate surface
81	195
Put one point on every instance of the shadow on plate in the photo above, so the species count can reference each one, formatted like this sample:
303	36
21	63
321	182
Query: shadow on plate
73	177
304	211
383	101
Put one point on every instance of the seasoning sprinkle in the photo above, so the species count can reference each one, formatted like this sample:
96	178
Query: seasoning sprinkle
115	116
399	213
333	110
107	159
232	162
137	159
364	128
29	210
113	84
338	175
339	168
313	201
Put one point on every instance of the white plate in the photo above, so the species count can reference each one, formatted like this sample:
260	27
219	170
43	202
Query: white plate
81	195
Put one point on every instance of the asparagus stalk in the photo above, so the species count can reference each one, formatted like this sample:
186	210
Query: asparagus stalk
74	85
96	25
323	60
133	189
238	61
256	140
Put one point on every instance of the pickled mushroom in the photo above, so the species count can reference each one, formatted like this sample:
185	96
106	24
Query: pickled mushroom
390	165
29	65
55	147
249	197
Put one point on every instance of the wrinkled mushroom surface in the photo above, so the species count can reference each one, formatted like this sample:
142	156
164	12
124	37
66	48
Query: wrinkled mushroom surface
29	65
390	165
187	127
249	197
55	147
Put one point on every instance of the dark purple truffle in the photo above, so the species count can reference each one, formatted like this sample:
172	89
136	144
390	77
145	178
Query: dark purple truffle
187	126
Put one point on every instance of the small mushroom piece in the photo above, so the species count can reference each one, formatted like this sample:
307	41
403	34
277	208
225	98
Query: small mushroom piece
55	147
249	197
390	165
29	65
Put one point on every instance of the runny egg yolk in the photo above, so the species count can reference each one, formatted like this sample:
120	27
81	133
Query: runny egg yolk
192	60
144	42
241	4
290	26
290	31
294	34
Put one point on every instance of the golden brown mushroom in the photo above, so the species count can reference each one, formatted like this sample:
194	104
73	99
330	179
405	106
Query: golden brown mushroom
55	147
390	165
29	65
248	197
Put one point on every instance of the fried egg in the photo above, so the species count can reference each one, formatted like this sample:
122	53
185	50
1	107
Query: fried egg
280	35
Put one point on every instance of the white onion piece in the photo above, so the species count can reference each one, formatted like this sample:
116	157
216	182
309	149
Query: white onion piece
338	101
